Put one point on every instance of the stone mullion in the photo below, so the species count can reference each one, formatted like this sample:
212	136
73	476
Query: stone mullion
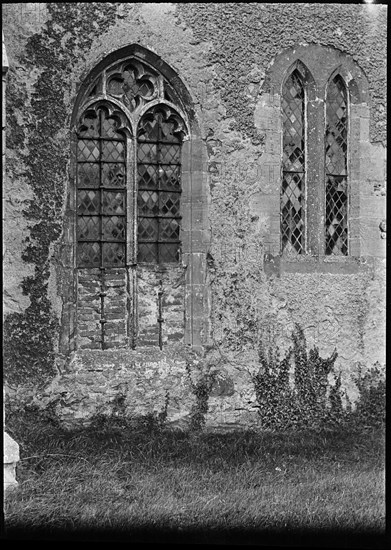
130	170
132	187
158	151
102	292
315	180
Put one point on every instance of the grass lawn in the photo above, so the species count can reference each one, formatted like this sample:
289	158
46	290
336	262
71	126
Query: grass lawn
113	481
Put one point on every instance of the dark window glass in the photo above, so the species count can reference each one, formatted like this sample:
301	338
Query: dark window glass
101	192
336	219
293	181
159	188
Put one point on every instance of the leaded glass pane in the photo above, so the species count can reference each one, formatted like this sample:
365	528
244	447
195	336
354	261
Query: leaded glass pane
113	203
292	215
113	175
336	216
147	252
149	129
147	153
113	254
336	219
169	230
336	128
88	254
88	228
113	228
293	183
170	177
148	203
169	203
112	151
109	128
170	154
148	229
167	129
147	176
88	150
88	174
88	202
169	252
115	86
90	126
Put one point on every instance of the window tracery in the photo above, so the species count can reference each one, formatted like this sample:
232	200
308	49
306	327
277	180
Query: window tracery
130	129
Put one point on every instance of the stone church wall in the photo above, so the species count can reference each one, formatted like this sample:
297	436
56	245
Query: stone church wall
225	55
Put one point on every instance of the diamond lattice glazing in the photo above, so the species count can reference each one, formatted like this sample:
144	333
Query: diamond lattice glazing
101	213
159	153
336	227
292	191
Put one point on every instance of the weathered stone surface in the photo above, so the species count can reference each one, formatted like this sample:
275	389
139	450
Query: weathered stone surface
233	282
10	459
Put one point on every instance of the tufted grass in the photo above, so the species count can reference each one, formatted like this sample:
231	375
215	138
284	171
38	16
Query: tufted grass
113	481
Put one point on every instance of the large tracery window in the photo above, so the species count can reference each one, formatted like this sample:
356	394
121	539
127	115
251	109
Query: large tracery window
293	181
129	136
336	219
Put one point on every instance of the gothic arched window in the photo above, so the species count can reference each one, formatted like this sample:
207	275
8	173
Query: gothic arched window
294	174
130	129
336	138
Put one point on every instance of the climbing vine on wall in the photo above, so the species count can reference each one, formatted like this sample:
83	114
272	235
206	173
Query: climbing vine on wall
29	337
295	391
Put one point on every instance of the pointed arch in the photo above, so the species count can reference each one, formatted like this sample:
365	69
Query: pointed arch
328	208
293	186
146	66
299	68
336	166
111	209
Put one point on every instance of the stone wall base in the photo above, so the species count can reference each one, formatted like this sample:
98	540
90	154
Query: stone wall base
11	457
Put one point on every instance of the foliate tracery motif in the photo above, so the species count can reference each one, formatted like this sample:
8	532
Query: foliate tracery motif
129	135
336	223
133	83
293	183
103	134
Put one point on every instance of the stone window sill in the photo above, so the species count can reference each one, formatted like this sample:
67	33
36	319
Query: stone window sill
346	265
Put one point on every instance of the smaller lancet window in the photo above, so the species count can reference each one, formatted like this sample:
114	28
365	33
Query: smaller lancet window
293	182
336	220
159	186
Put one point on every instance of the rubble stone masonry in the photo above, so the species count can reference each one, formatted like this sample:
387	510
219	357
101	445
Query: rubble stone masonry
133	340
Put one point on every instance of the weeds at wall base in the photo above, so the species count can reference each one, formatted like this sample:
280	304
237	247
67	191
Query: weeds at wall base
311	401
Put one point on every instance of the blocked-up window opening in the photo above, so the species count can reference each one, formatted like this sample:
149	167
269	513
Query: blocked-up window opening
336	218
293	181
159	187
